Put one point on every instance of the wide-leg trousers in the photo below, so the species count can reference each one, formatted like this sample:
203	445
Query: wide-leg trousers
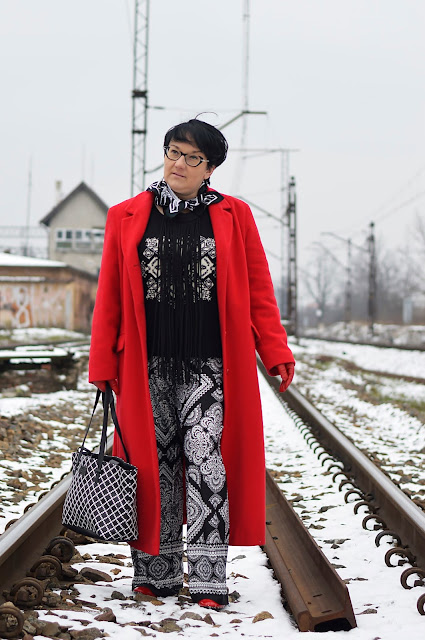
188	425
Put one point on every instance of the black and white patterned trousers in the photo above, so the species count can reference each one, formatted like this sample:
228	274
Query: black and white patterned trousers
188	425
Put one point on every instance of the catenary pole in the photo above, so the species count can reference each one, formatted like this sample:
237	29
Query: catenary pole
139	96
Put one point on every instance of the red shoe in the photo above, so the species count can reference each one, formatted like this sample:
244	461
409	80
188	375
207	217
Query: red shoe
145	590
210	604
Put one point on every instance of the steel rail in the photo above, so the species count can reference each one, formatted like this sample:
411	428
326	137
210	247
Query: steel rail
313	606
398	512
394	513
318	598
316	595
26	539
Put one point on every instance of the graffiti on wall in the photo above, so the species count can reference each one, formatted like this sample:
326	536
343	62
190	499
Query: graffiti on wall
34	305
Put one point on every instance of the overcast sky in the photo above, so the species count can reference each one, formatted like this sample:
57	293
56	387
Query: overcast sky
342	81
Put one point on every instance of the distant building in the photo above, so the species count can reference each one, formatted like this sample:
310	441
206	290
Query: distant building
76	229
45	293
20	240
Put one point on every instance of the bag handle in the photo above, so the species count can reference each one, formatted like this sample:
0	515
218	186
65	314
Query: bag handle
108	403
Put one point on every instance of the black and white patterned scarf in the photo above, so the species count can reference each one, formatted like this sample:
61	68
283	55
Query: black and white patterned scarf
172	205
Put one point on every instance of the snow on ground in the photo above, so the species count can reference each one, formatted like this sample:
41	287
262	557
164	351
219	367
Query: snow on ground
396	334
41	431
388	360
247	574
378	600
384	416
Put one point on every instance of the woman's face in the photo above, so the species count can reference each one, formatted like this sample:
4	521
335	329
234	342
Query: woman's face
184	180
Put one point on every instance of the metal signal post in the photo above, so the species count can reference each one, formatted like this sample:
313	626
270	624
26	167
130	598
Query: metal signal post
139	96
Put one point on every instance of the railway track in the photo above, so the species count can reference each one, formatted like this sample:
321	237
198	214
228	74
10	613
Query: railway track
376	397
387	509
384	344
59	360
34	550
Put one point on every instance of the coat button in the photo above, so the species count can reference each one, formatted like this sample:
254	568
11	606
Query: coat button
227	370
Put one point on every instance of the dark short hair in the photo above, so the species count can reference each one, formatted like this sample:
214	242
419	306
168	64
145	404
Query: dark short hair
207	138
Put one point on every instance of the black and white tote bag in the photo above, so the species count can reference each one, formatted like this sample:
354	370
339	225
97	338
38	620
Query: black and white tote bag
101	501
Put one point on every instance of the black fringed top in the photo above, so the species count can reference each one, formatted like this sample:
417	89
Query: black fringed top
178	261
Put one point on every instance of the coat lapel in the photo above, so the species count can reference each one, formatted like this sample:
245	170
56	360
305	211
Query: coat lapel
132	229
222	224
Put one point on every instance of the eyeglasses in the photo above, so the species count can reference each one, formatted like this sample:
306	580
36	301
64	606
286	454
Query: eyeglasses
190	159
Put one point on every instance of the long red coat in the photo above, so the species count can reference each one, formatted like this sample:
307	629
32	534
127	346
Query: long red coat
249	321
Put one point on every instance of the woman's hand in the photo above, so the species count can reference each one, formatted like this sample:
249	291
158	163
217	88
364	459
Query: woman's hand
101	384
286	372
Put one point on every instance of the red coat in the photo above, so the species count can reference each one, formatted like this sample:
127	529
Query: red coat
249	320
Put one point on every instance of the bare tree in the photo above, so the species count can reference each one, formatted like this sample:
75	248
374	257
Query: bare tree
391	277
321	278
416	256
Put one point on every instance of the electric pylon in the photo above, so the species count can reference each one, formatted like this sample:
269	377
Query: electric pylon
139	95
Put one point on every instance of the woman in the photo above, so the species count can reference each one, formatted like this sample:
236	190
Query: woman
184	301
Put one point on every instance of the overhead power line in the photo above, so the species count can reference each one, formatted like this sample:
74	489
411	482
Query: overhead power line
393	209
406	203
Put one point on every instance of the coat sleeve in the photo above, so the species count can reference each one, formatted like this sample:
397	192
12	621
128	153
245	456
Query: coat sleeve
103	361
270	336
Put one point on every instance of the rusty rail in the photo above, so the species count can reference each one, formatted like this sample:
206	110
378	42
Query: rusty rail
318	598
26	539
392	513
397	512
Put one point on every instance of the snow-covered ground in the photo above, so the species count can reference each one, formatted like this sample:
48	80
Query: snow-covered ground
39	432
379	412
386	360
396	334
379	601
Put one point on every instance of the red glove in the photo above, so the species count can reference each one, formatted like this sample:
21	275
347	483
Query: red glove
286	371
100	384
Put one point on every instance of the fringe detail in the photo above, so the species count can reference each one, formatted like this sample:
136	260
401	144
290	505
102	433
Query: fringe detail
177	338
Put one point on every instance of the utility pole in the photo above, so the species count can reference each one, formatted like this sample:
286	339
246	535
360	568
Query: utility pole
372	278
245	92
139	96
245	86
285	238
291	213
283	219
